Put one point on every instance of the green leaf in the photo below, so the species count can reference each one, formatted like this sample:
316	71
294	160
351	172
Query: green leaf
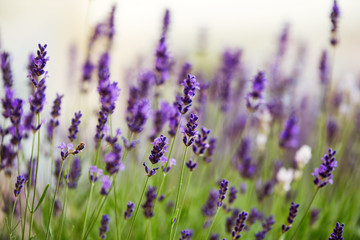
42	197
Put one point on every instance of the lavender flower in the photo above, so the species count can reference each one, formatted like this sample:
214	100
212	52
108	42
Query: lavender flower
162	61
200	143
174	118
40	61
191	165
19	185
292	215
87	70
160	145
239	226
230	221
99	135
190	85
37	100
210	150
7	102
288	137
246	168
331	130
161	116
95	173
190	130
6	69
232	194
55	113
323	174
73	129
75	172
264	190
210	207
266	227
138	115
112	160
185	70
15	117
324	71
186	234
254	98
314	215
338	231
253	216
335	13
166	22
57	171
166	165
103	68
222	192
65	150
129	210
149	204
150	172
106	185
109	93
104	226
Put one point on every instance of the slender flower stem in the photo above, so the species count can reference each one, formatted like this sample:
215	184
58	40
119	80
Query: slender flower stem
11	218
307	210
53	200
97	153
116	208
137	209
87	208
97	215
212	223
36	176
176	210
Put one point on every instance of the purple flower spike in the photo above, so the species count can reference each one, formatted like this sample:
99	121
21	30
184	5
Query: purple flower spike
239	226
166	21
66	150
160	145
55	113
106	185
150	172
19	185
73	129
230	221
148	206
87	70
266	227
232	194
334	16
174	118
104	226
292	215
254	98
161	116
191	165
7	102
95	173
129	210
109	93
210	207
6	69
112	160
210	150
201	142
324	70
190	86
99	135
190	130
288	137
138	115
39	62
323	174
37	100
222	192
186	234
74	173
338	231
185	70
162	62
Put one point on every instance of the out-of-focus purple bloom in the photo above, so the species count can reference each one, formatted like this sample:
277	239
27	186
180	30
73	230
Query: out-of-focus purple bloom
129	210
75	172
87	70
210	207
138	115
55	113
19	185
210	150
323	174
338	231
113	160
7	101
146	80
161	116
111	26
253	216
289	135
186	234
109	93
232	194
6	69
16	113
239	226
150	172
166	165
201	142
230	221
148	206
104	226
292	215
266	227
190	130
264	190
103	68
332	129
244	149
160	145
335	13
174	118
95	173
243	188
162	61
190	85
254	98
276	108
283	40
246	168
191	165
324	71
185	70
222	192
314	215
73	129
106	185
166	22
130	145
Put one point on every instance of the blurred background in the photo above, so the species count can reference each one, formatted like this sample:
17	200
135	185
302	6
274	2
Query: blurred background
206	26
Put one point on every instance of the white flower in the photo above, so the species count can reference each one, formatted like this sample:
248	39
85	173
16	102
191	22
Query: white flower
284	178
303	156
261	140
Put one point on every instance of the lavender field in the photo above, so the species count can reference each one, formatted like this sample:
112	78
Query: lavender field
182	147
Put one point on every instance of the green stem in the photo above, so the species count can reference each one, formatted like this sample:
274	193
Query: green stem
212	223
116	208
87	208
53	200
137	209
97	215
12	216
63	212
97	153
307	209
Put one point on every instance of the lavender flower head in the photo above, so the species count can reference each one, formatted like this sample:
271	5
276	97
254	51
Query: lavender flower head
7	102
191	165
166	165
66	150
73	129
222	192
185	69
190	130
166	22
335	13
201	142
174	118
210	150
113	160
109	93
150	172
254	98
210	207
19	185
161	116
6	69
288	137
239	226
75	172
95	173
104	226
106	185
232	194
149	204
162	61
266	227
323	174
190	85
160	145
55	113
338	231
99	135
129	210
324	71
292	215
138	115
186	234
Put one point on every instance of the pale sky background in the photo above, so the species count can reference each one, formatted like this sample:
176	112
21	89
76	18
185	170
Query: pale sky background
253	25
